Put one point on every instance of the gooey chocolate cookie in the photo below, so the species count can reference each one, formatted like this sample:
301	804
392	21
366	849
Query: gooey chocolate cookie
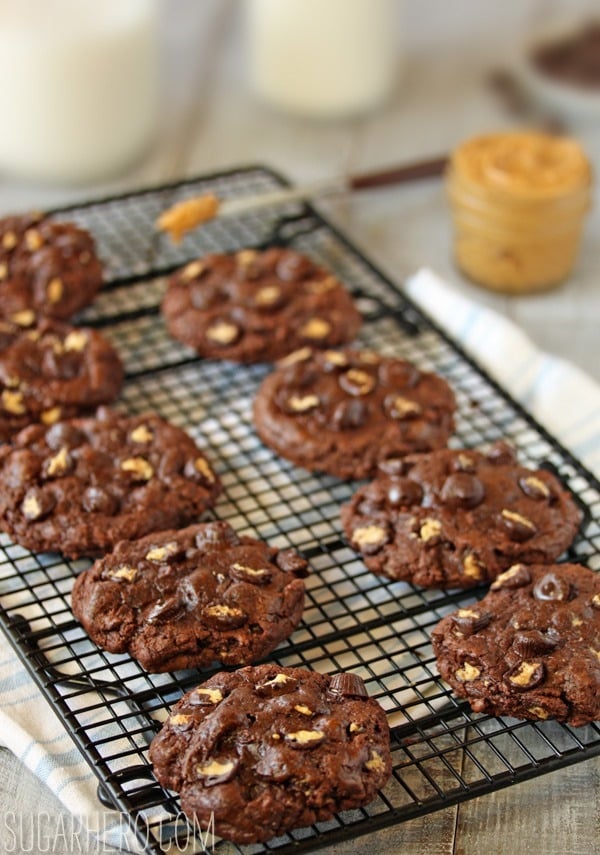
454	519
530	648
47	267
183	599
82	485
268	749
256	306
51	371
342	411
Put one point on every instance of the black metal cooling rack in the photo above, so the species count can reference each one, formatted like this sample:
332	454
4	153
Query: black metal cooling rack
442	752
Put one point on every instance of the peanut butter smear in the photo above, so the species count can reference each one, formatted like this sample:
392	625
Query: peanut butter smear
185	216
526	164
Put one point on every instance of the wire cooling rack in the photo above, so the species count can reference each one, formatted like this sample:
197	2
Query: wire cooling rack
442	752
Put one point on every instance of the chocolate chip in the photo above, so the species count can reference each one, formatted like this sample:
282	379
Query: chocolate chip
533	642
347	686
462	490
525	675
279	684
394	466
518	527
165	610
469	621
515	577
501	452
216	532
348	415
294	266
399	375
404	491
289	561
63	434
552	587
223	616
534	487
98	500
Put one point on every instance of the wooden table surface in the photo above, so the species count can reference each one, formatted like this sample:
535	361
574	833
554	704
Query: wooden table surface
210	122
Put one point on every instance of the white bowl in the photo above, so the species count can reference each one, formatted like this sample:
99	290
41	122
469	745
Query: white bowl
562	99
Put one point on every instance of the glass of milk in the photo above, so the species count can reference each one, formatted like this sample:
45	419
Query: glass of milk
78	86
322	58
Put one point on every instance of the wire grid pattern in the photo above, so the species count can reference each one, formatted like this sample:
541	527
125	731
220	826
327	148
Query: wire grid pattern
353	620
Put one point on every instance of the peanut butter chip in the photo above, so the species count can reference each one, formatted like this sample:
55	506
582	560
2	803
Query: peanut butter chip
430	528
322	286
539	712
404	407
334	357
375	763
33	239
140	468
296	356
369	535
190	271
471	567
215	769
58	464
369	357
213	696
201	466
55	290
357	382
268	295
141	434
315	328
160	553
51	416
12	382
355	727
3	270
124	572
9	240
513	516
245	257
13	402
24	318
179	719
222	332
302	708
466	463
525	674
221	610
467	673
537	486
305	737
251	571
576	621
596	601
76	340
32	509
302	403
277	680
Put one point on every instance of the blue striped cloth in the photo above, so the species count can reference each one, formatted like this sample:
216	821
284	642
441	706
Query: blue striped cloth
560	396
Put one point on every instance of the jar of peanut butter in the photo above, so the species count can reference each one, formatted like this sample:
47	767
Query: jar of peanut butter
518	204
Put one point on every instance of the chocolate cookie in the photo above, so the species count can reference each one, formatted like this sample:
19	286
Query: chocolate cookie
51	371
82	485
268	749
258	306
342	411
46	267
183	599
454	519
530	648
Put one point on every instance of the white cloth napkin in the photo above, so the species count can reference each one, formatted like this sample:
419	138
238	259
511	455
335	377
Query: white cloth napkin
559	395
562	397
